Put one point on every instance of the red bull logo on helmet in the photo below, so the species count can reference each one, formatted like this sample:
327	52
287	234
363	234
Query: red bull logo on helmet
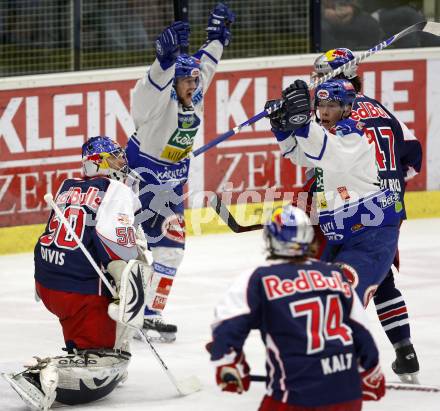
340	53
276	217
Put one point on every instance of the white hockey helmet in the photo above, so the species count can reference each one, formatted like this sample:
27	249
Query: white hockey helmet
288	233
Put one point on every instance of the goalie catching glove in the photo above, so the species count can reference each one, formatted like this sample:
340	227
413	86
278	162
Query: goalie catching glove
295	111
232	372
131	283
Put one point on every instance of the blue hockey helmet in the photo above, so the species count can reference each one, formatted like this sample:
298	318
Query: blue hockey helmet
339	90
103	156
187	66
288	233
333	59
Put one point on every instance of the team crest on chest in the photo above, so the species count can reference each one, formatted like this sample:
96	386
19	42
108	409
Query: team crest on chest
181	142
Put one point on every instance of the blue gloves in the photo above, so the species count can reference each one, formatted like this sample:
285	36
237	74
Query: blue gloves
219	22
169	41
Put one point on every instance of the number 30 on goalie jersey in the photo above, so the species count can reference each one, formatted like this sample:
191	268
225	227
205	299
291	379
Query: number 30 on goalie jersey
101	212
311	321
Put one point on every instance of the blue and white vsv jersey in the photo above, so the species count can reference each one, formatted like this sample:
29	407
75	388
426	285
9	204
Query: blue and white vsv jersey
165	129
312	324
349	196
398	152
101	211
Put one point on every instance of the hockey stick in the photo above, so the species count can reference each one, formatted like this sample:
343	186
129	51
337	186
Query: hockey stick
184	387
237	129
181	13
389	386
221	209
427	27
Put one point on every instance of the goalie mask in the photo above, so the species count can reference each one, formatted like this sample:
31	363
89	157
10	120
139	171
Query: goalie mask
288	233
333	59
102	156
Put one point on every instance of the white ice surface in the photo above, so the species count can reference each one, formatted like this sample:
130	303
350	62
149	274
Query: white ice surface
210	264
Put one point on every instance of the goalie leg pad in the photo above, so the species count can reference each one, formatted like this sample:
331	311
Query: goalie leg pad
78	378
89	375
130	307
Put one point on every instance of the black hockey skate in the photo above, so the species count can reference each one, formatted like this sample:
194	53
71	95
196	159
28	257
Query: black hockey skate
406	365
156	330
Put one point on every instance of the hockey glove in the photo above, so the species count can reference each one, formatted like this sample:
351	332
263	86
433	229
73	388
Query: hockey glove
169	41
232	372
276	113
296	103
373	384
219	22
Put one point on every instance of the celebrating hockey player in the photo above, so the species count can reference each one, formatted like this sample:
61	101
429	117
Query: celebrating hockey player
319	352
359	219
167	111
97	331
399	158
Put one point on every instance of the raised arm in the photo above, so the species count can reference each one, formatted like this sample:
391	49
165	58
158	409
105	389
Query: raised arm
307	143
152	92
218	36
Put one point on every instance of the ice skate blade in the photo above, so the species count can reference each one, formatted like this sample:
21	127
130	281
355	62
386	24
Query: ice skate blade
156	337
410	378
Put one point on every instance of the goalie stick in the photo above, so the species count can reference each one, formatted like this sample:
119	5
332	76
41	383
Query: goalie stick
183	387
427	27
221	209
389	385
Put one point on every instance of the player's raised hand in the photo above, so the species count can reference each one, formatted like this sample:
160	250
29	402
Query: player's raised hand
296	102
183	31
220	20
169	42
373	384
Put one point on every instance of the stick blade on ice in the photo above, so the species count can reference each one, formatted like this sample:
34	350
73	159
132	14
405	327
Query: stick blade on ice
189	385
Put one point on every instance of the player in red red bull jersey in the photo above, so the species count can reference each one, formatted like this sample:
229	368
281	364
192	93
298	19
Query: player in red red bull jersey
320	354
399	158
97	330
